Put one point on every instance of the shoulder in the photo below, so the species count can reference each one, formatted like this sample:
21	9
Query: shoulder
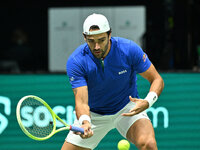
121	41
78	54
125	45
78	59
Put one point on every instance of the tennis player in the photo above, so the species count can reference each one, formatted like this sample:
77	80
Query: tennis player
102	74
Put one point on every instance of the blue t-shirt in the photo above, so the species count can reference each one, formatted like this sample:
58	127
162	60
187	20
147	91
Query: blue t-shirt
109	88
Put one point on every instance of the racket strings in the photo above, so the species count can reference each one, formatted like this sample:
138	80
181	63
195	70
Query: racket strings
36	118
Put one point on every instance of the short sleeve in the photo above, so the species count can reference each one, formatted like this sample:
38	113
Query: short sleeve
139	58
75	73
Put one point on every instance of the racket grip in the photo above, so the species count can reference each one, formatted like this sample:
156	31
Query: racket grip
77	129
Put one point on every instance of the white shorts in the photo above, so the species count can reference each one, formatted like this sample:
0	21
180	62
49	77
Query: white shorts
102	124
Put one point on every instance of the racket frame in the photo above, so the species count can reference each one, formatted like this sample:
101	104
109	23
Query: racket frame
54	116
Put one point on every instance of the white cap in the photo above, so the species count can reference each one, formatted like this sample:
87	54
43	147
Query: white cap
98	20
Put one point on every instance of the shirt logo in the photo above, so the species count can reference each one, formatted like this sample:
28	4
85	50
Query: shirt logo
144	57
72	79
122	72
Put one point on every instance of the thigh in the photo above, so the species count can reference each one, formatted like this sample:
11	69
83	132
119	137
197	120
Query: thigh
123	123
141	130
67	146
100	125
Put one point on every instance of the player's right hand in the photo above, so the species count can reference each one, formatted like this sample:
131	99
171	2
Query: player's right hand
87	130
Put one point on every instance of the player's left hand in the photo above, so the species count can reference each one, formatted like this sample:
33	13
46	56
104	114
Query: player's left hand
140	105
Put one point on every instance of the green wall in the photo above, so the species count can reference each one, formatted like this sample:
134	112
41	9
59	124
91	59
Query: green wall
175	116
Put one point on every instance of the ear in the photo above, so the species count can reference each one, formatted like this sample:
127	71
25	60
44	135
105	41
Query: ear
109	36
84	37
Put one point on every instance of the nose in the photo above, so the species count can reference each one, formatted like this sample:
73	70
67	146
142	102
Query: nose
97	46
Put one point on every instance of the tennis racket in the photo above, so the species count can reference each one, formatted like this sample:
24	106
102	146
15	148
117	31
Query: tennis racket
37	120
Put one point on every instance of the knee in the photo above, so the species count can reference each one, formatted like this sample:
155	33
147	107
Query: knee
151	145
147	144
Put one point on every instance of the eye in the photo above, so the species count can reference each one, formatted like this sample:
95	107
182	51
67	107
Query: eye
102	40
90	41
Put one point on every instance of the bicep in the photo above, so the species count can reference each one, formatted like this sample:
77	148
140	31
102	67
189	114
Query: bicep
150	74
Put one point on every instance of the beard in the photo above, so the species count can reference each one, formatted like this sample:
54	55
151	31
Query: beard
99	53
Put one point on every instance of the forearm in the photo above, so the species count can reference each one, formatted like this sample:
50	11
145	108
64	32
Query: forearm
81	104
157	85
154	78
83	113
82	109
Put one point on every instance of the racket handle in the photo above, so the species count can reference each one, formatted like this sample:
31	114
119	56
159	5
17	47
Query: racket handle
77	129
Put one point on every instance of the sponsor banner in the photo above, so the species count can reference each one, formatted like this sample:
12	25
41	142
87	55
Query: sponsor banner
175	116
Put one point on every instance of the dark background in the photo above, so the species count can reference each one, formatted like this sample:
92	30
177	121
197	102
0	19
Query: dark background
171	40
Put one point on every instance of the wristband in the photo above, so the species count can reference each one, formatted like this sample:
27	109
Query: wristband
151	98
84	117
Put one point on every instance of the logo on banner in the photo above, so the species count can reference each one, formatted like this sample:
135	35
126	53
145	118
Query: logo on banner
6	102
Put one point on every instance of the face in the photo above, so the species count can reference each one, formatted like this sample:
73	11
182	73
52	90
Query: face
99	44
